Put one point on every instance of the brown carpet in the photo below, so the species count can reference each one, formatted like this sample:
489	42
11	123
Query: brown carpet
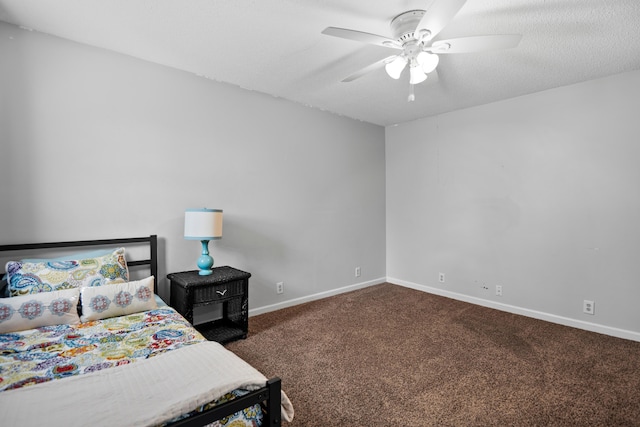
391	356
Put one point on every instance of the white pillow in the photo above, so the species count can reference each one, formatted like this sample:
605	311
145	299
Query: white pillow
43	309
100	302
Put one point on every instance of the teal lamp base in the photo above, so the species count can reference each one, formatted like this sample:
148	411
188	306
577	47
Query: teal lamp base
205	262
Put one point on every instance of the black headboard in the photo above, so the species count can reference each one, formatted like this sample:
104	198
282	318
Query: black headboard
152	241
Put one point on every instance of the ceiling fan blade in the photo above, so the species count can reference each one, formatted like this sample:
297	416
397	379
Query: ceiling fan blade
362	37
369	68
438	16
476	44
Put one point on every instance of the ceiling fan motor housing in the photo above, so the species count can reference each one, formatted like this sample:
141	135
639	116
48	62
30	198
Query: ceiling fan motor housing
403	26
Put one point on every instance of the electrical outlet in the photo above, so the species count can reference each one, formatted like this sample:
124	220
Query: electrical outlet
441	277
499	290
589	307
357	272
280	288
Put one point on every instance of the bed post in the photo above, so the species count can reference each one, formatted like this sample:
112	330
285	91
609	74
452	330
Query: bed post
274	403
153	255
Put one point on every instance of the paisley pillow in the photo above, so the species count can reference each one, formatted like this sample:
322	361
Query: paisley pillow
33	311
46	275
117	300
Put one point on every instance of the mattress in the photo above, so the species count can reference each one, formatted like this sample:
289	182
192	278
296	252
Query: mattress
152	352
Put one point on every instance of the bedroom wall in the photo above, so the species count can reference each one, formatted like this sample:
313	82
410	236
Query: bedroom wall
538	194
101	145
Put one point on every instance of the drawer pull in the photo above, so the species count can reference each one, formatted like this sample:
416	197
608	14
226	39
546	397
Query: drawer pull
221	292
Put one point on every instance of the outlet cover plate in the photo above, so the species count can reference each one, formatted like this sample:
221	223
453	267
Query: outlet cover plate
589	307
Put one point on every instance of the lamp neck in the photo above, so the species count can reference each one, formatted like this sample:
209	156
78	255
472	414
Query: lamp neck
205	247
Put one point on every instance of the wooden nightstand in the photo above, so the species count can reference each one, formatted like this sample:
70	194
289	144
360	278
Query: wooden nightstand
226	286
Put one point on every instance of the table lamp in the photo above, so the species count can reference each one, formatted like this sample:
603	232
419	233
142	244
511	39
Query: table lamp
204	225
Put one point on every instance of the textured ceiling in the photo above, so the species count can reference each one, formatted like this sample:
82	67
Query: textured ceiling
276	46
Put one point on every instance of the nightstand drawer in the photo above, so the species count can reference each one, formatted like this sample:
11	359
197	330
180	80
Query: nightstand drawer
204	295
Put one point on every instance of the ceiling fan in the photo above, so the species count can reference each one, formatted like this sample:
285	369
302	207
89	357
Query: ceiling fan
412	34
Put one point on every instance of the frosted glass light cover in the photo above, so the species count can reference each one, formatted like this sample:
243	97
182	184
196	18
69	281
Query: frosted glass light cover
417	75
203	224
395	67
428	61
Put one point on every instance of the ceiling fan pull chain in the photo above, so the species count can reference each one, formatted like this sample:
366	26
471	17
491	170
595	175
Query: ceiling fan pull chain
412	96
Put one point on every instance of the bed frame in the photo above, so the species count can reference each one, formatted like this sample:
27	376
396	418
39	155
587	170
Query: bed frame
268	395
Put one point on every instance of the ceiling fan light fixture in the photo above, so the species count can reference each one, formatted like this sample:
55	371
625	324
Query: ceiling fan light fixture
412	33
395	67
428	61
417	75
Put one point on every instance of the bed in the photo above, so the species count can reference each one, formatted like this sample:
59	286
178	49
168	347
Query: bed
85	338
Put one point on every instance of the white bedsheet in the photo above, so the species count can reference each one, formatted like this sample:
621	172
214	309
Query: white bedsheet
144	393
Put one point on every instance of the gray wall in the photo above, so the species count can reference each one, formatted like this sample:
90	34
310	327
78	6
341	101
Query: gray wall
539	194
100	145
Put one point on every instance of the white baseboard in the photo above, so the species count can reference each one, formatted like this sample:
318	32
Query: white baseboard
301	300
566	321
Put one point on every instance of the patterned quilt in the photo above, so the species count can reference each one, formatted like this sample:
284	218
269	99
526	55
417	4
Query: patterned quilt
46	353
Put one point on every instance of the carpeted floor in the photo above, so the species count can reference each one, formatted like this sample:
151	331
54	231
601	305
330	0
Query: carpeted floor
392	356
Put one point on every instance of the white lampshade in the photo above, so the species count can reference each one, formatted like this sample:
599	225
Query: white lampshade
395	67
428	61
417	75
203	224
